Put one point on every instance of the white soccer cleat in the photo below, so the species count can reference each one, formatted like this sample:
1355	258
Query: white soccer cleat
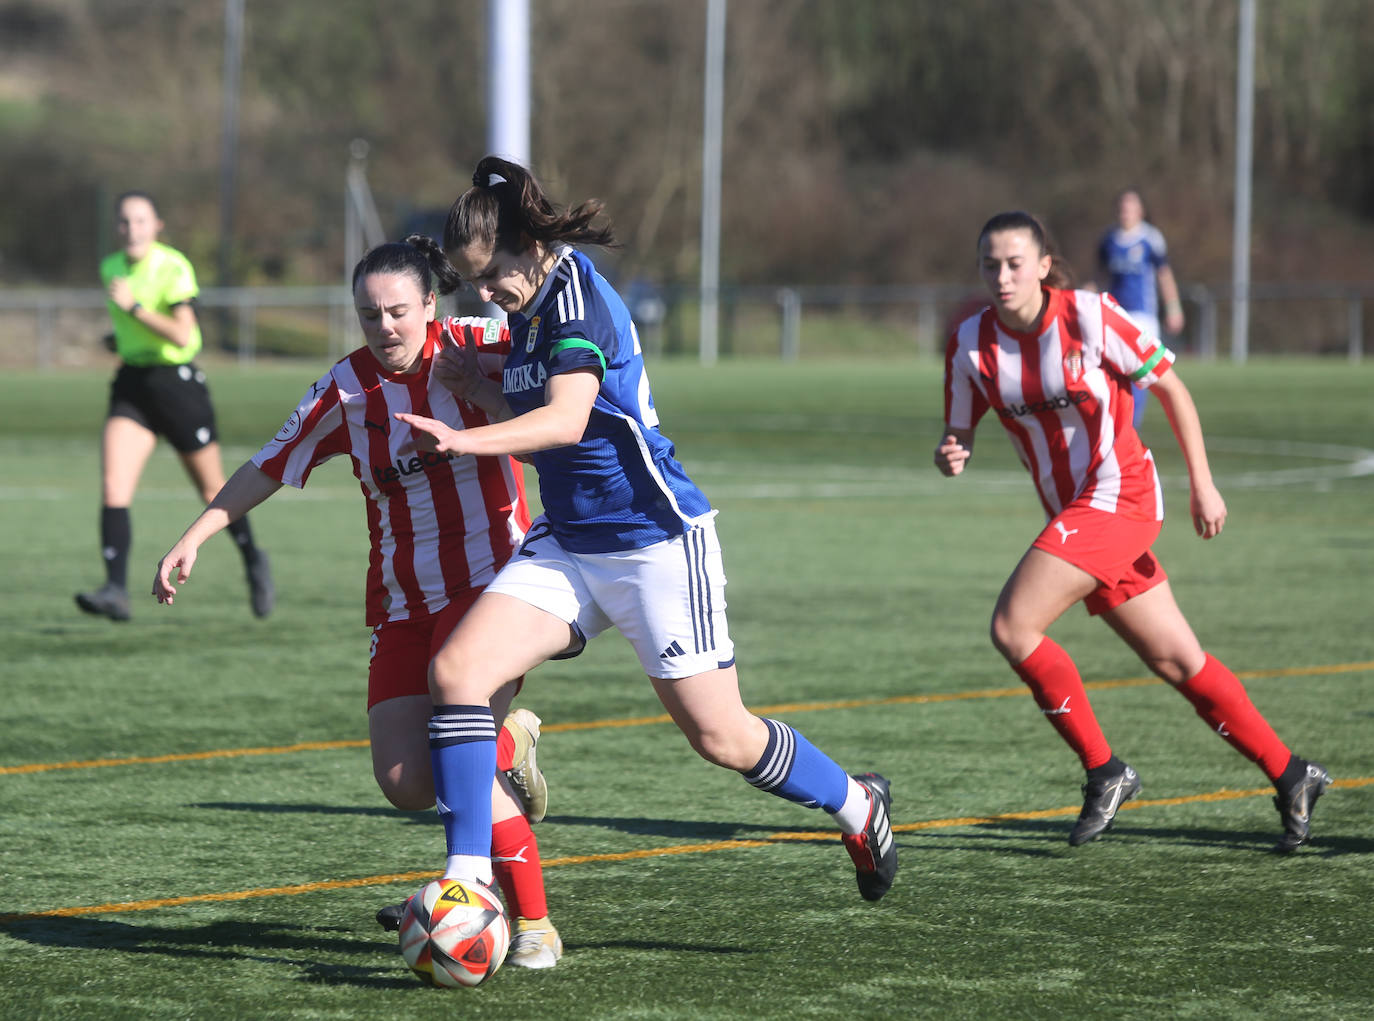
524	774
534	944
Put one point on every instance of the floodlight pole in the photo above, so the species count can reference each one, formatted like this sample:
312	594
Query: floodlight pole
714	104
1240	240
508	80
229	135
508	89
229	144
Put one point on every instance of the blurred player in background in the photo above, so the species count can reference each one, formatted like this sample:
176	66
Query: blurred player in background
1131	258
440	528
158	390
1055	364
626	539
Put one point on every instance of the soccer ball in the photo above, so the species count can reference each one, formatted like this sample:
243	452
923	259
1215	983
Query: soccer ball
454	933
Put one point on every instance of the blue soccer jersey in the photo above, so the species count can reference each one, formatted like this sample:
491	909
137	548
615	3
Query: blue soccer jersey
1130	259
621	487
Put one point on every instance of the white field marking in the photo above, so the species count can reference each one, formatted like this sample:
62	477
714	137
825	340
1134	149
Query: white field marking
738	481
1349	463
769	481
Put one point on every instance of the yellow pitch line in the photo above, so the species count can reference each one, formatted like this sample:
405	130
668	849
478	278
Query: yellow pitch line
642	721
220	753
648	852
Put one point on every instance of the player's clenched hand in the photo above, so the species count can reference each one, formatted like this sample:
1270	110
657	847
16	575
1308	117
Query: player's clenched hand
1208	510
951	455
432	435
121	292
455	366
180	559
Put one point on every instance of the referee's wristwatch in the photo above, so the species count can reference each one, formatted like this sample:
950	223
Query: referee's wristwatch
135	307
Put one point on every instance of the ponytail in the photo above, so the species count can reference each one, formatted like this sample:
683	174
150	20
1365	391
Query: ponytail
1061	273
507	209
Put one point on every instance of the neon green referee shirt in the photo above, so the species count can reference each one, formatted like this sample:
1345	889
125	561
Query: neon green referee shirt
159	280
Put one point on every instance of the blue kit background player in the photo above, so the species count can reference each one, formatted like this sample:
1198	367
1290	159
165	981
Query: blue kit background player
1133	265
627	540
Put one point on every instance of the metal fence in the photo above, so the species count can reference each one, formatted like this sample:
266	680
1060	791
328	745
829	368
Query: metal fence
57	327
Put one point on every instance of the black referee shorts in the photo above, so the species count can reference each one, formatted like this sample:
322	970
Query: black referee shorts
171	400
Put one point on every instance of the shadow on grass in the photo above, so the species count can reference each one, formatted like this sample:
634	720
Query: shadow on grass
651	945
426	816
695	829
289	946
1327	845
294	946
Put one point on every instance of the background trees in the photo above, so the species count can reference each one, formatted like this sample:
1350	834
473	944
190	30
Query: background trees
865	140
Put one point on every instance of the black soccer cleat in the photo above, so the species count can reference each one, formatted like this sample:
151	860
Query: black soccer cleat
874	851
262	594
1101	800
1295	807
110	600
389	918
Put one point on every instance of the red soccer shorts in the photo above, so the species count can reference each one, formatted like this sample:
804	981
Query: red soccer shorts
402	649
1113	549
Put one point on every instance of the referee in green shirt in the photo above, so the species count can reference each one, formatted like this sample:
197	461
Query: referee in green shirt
158	390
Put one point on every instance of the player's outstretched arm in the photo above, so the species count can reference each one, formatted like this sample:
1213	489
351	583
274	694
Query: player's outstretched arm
1205	504
1173	306
559	423
954	450
246	488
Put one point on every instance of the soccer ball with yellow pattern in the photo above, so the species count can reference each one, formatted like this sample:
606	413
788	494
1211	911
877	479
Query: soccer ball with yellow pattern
454	933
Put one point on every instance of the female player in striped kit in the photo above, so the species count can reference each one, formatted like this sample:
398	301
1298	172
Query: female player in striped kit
1056	365
441	527
626	539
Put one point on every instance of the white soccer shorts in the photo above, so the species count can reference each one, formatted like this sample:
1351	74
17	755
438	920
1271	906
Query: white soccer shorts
668	599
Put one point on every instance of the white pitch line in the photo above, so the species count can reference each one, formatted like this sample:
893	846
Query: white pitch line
750	481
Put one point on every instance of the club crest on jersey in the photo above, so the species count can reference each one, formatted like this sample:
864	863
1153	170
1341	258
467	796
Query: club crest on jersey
1073	367
532	335
290	428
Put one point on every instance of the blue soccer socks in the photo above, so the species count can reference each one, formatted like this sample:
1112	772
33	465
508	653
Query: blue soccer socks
795	769
462	751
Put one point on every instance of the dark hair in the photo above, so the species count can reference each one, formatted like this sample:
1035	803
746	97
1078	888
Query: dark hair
1061	273
506	208
419	256
136	194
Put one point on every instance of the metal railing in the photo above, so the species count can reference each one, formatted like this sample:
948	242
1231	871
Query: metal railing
234	313
40	326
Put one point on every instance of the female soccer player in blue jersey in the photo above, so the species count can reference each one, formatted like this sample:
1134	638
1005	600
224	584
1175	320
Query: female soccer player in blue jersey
626	540
1131	257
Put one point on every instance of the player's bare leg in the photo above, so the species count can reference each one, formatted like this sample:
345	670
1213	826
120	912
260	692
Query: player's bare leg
1153	625
1038	592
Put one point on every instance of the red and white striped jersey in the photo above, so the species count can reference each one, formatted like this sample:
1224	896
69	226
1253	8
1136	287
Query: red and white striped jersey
1063	395
439	524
